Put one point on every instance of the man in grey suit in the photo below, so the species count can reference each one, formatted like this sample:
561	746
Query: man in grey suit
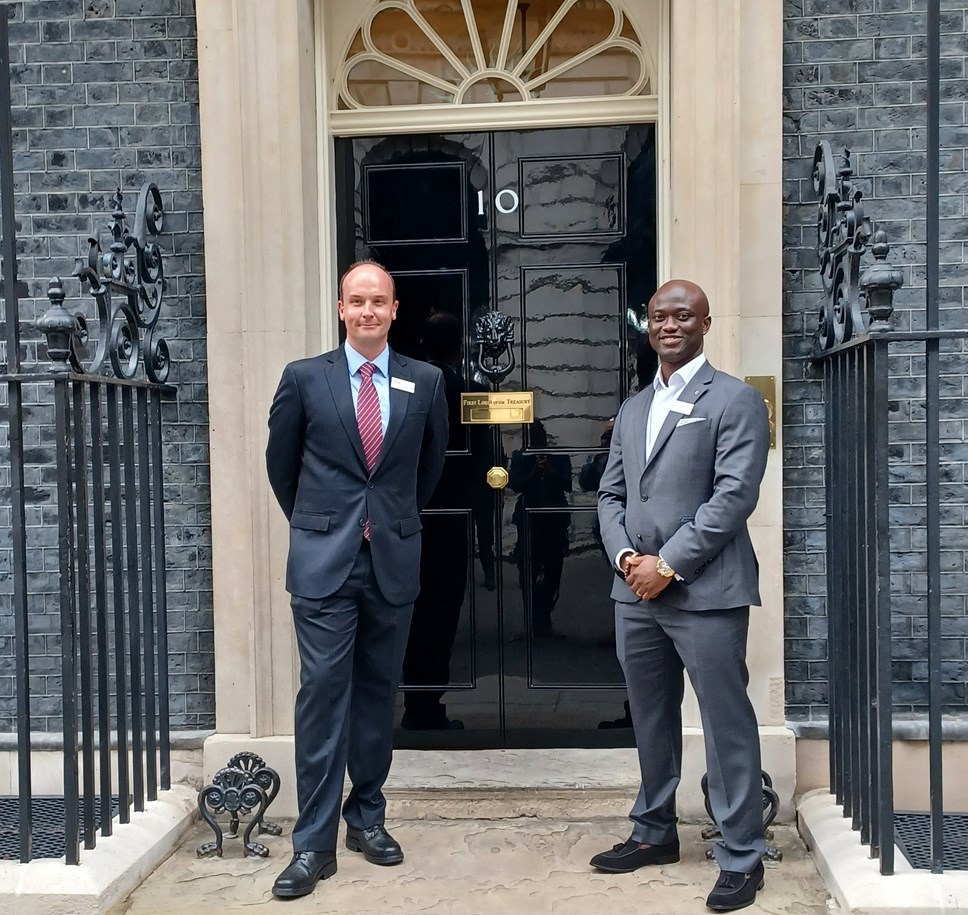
356	445
686	460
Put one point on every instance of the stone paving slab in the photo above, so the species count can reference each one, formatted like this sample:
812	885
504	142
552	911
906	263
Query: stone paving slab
475	867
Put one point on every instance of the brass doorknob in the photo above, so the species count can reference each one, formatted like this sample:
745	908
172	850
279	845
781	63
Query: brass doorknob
497	478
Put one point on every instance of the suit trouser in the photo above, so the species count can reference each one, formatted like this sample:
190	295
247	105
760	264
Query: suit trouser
351	648
654	643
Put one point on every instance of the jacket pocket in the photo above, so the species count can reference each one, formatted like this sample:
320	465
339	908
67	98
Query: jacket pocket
309	521
410	526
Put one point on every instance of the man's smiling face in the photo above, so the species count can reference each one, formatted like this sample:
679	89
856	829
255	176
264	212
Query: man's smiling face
678	321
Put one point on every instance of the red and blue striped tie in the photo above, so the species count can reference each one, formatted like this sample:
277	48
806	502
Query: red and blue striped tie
370	423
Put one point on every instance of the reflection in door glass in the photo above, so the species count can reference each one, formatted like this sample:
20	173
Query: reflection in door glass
573	318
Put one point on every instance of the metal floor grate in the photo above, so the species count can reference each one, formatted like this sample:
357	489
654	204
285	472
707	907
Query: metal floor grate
912	832
48	814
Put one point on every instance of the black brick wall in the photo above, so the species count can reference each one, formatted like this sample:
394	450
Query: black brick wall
854	74
105	94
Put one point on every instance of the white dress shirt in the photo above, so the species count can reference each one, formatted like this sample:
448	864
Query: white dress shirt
663	398
665	395
381	379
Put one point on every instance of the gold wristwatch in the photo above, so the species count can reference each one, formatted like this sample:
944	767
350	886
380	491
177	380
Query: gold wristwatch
664	569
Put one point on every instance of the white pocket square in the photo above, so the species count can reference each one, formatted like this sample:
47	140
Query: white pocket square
690	419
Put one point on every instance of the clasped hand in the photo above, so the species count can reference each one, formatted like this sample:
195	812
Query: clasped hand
646	583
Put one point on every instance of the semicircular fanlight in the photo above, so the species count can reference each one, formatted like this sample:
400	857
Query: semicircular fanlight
426	52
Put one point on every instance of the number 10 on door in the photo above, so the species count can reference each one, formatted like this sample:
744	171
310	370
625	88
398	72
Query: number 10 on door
505	200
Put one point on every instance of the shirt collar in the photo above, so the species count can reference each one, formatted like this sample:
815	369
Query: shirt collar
354	360
682	377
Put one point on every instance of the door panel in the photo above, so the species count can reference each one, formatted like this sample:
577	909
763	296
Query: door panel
430	203
572	362
424	291
514	630
593	203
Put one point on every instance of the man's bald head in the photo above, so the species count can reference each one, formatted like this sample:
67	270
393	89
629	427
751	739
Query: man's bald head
683	290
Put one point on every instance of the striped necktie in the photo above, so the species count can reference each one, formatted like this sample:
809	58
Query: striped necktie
369	421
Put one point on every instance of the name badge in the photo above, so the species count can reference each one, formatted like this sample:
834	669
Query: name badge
402	384
677	406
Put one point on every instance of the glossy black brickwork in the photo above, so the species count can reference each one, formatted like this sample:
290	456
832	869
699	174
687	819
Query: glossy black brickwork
105	94
854	75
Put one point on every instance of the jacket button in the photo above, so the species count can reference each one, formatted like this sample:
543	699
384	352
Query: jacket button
362	522
645	498
369	485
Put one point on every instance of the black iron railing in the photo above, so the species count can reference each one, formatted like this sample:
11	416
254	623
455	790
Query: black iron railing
109	509
105	381
853	349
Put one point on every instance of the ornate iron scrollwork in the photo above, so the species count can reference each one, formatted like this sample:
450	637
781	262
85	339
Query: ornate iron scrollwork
244	785
127	282
843	233
234	791
494	336
267	779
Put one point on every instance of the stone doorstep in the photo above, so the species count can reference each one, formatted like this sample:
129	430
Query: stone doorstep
423	785
474	867
490	784
109	872
852	875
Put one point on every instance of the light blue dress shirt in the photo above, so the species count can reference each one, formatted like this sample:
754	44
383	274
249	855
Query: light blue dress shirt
381	379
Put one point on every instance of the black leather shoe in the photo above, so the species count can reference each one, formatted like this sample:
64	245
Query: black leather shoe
735	890
377	845
305	870
629	856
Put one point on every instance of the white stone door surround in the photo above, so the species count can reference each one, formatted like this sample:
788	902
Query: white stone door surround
267	75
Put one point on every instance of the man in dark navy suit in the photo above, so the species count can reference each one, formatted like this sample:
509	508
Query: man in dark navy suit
356	446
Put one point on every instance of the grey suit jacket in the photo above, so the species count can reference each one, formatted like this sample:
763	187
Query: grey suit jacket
318	473
691	501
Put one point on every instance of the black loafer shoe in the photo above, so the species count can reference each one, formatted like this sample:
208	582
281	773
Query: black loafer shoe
377	845
735	890
629	856
305	870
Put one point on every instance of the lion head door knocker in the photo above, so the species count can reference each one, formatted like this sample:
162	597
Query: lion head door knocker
494	335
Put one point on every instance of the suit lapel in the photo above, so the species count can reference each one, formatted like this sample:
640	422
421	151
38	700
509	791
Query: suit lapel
639	419
338	376
399	402
693	391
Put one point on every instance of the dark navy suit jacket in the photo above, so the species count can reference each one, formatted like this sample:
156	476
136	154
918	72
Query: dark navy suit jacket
319	476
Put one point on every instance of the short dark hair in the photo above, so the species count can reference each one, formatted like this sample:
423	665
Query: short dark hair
364	263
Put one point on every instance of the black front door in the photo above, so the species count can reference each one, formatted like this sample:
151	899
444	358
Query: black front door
513	633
